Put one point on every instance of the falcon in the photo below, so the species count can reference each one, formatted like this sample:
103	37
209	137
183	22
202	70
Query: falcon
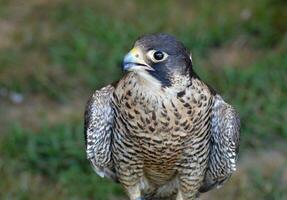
160	131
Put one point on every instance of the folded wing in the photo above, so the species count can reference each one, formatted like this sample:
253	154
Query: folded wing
224	144
98	131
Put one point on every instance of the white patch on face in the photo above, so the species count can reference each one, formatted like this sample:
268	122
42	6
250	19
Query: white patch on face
148	79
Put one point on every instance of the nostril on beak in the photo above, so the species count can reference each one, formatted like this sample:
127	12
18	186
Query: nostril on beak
137	55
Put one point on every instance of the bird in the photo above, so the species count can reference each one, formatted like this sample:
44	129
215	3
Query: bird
160	131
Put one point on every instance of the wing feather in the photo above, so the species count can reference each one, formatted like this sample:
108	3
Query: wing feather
98	131
224	144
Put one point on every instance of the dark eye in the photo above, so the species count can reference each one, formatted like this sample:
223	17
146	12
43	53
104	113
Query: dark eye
158	55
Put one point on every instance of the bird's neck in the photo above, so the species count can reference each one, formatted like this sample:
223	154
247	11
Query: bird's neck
140	85
151	84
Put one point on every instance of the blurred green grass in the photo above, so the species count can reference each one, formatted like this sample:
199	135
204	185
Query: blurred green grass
63	50
58	155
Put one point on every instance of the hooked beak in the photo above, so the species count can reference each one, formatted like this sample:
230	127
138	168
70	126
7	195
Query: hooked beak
134	61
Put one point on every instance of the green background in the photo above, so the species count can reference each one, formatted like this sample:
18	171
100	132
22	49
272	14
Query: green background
55	53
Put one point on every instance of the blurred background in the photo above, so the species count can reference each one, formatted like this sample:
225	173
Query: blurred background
55	53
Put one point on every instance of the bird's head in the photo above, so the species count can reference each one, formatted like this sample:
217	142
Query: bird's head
159	58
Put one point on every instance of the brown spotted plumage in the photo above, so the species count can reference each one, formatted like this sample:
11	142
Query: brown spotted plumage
160	131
